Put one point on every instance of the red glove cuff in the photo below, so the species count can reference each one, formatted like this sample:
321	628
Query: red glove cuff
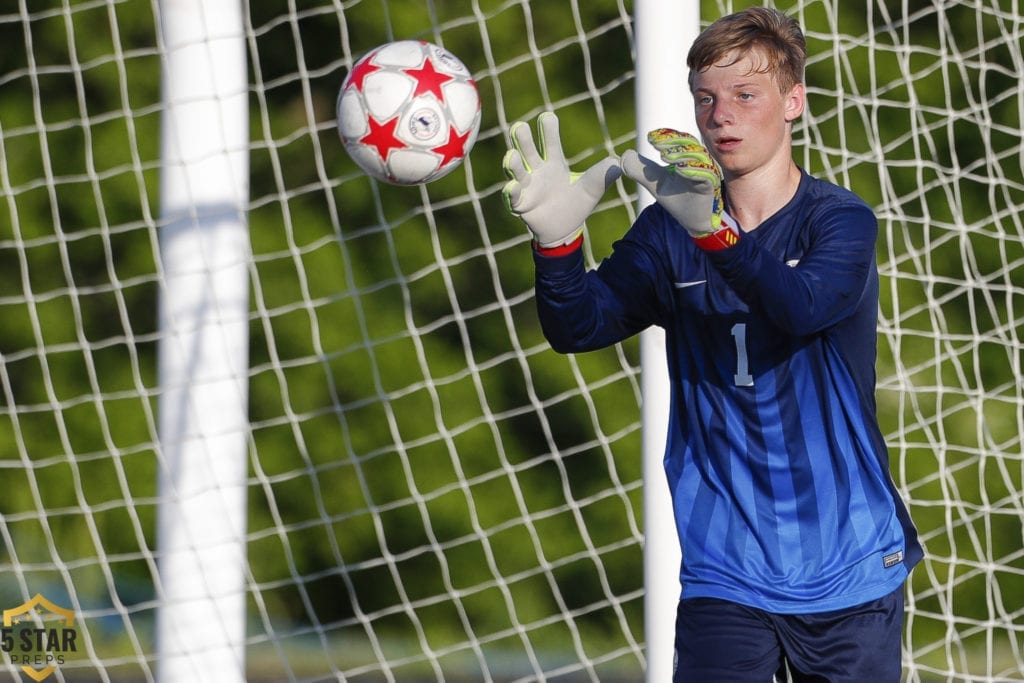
561	249
716	241
723	238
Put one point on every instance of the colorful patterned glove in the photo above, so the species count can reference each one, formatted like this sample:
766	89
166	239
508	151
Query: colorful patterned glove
551	200
689	187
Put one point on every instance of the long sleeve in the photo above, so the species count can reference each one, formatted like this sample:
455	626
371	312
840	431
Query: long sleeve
823	286
582	310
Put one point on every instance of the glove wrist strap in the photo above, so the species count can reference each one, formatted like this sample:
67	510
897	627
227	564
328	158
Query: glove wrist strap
560	249
723	238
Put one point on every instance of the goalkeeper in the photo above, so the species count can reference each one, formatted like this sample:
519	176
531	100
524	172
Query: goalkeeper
795	542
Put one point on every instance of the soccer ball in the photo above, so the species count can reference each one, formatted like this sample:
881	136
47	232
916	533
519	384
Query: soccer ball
408	112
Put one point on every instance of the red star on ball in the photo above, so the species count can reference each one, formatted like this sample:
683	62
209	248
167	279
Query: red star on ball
455	148
382	136
428	79
360	72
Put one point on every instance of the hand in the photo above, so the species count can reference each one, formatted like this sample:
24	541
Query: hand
689	187
551	200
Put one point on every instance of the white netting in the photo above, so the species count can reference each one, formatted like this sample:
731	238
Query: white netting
920	110
433	493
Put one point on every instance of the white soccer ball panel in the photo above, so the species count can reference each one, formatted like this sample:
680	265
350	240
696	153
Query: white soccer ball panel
367	159
410	166
351	115
403	53
386	92
463	102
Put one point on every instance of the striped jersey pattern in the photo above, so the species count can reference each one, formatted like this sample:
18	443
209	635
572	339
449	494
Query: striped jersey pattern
777	468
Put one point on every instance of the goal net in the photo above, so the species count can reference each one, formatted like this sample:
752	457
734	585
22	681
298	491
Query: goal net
394	478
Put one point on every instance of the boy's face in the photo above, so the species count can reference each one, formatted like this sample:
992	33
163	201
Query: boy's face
743	117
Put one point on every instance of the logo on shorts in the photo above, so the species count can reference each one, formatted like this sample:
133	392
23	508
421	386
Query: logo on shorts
893	559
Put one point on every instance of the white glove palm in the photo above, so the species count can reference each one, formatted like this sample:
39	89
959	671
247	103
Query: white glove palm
552	200
690	187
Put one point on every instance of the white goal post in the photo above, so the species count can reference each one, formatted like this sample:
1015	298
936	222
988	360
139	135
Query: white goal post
266	419
203	343
664	31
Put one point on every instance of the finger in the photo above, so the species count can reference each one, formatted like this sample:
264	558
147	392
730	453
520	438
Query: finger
631	165
511	193
550	140
698	173
522	141
699	167
685	153
676	147
679	155
659	135
513	165
598	177
697	179
661	138
644	171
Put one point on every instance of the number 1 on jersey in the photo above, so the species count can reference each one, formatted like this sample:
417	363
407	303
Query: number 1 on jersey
742	378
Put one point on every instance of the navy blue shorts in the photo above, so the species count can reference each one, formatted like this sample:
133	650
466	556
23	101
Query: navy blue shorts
722	641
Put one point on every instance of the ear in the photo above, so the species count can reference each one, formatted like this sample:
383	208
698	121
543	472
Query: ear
795	102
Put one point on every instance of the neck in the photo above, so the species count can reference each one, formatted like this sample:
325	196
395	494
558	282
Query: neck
755	197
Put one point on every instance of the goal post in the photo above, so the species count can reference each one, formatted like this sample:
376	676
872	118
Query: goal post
203	343
263	418
664	32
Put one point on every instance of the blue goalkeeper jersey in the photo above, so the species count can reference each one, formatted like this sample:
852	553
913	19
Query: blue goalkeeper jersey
777	468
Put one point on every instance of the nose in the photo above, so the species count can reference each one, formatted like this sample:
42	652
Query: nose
721	113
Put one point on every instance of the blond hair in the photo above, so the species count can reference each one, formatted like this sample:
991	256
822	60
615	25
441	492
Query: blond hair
773	35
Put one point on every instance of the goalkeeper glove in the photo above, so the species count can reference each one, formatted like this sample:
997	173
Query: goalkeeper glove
551	200
689	187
